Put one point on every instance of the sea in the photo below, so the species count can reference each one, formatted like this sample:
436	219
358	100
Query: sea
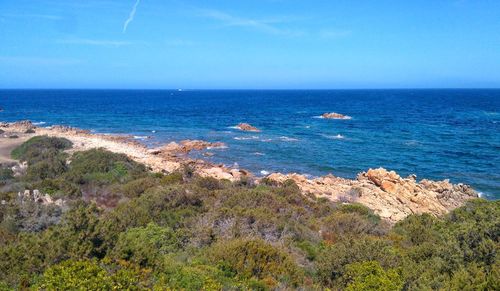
436	134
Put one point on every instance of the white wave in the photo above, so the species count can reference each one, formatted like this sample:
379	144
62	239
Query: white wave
318	116
259	154
267	140
286	138
217	147
480	194
39	123
338	136
233	127
253	137
153	131
264	173
141	137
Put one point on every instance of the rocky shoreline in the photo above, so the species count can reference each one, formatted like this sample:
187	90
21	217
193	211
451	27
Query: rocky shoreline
385	192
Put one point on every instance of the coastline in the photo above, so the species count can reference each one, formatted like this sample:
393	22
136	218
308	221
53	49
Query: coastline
386	193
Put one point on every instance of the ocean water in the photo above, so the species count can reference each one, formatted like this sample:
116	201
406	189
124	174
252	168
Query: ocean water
436	134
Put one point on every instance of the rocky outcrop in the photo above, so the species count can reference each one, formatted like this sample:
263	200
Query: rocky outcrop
247	127
334	115
19	126
37	197
184	147
386	193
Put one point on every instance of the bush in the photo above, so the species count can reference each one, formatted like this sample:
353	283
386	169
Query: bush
209	183
254	259
172	178
103	167
6	174
135	188
333	259
92	275
146	245
371	276
39	148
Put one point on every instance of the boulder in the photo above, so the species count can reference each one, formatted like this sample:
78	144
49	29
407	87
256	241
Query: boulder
334	115
247	127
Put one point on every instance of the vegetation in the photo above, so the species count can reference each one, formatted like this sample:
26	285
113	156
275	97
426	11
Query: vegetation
123	227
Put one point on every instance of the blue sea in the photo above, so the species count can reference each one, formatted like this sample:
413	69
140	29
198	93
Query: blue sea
436	134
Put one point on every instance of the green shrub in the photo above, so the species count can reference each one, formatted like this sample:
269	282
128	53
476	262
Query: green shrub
103	167
172	178
92	275
209	183
6	174
371	276
254	259
333	259
137	187
39	148
146	245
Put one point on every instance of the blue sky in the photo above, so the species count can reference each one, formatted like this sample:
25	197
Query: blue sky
249	44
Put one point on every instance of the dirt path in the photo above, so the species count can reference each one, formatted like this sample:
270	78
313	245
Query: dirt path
6	147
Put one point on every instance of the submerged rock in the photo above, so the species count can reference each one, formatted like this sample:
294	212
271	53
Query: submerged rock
247	127
334	115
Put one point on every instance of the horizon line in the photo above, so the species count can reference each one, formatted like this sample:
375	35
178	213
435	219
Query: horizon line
253	89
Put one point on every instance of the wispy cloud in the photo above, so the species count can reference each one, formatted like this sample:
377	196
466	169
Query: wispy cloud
269	26
131	16
37	61
94	42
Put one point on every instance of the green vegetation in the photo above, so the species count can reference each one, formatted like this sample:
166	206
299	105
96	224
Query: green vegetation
123	227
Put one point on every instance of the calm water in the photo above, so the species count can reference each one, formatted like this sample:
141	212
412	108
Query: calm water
436	134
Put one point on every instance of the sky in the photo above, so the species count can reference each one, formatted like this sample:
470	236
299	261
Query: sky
258	44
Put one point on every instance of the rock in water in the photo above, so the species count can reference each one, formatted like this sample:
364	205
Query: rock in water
334	115
247	127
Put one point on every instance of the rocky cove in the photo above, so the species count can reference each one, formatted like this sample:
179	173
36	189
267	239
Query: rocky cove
385	192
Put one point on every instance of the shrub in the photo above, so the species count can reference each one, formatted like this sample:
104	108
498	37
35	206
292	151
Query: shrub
137	187
333	259
172	178
146	245
39	148
209	183
103	167
92	275
254	259
371	276
6	174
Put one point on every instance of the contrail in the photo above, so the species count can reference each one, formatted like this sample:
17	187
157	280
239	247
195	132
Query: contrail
131	16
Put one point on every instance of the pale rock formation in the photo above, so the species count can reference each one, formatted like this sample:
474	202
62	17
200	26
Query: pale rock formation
247	127
37	197
386	193
334	115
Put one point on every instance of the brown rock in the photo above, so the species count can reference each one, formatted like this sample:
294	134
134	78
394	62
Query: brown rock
247	127
334	115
